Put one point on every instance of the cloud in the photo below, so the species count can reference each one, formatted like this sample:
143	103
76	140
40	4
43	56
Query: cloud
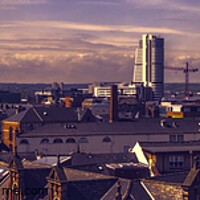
12	4
92	27
180	61
47	51
84	68
88	67
99	2
186	6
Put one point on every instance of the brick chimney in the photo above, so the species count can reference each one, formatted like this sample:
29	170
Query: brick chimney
114	104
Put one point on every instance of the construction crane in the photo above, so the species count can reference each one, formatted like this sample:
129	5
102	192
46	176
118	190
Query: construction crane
185	70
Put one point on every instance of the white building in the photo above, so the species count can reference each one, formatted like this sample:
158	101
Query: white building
105	138
149	64
123	89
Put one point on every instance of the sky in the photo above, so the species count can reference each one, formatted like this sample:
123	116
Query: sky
81	41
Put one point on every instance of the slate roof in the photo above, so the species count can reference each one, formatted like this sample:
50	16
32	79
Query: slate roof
77	175
45	114
26	116
163	191
191	177
57	114
177	178
35	178
141	126
138	192
125	186
88	190
162	147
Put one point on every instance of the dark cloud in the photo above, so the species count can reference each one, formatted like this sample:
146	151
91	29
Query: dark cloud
89	68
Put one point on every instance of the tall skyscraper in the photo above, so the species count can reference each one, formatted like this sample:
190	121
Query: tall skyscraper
149	64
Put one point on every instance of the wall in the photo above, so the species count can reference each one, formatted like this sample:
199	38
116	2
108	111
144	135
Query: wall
6	133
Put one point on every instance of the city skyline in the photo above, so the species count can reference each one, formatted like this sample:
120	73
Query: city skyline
92	40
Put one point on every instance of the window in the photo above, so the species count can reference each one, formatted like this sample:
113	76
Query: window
70	140
44	141
197	160
58	140
83	140
24	141
176	161
180	138
176	138
106	139
172	138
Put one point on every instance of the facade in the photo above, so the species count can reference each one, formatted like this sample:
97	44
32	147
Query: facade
170	157
143	93
105	138
149	64
126	89
32	118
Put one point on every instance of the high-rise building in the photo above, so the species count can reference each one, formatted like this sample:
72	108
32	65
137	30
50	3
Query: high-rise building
149	64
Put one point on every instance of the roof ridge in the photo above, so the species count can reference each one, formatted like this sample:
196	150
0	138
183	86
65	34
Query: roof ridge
35	111
146	189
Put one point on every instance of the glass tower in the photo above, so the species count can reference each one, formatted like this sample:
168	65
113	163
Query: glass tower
149	64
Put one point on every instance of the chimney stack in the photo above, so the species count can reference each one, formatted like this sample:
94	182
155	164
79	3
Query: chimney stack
114	104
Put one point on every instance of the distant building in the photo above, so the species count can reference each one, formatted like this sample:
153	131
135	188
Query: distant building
180	109
139	91
149	64
104	91
10	97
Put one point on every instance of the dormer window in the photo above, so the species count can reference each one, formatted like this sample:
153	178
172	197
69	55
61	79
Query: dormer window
70	126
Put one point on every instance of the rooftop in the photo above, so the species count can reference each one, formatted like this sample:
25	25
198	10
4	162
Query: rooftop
141	126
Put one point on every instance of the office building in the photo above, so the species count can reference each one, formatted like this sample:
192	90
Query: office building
149	64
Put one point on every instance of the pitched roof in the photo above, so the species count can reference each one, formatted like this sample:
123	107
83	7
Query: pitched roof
77	175
36	179
141	127
89	189
57	114
45	114
57	173
191	177
124	189
138	191
176	178
162	147
26	116
163	190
